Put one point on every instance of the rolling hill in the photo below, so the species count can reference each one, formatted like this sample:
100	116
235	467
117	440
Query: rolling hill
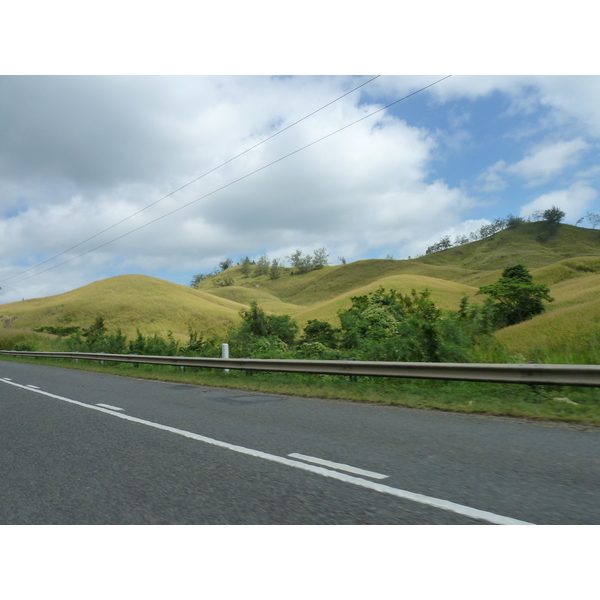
569	263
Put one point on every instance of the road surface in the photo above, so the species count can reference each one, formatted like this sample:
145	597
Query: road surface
89	448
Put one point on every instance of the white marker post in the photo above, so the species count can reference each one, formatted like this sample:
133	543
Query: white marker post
225	354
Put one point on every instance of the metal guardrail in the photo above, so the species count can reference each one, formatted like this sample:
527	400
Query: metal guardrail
531	374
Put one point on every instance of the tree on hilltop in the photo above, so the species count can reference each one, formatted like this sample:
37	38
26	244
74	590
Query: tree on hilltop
553	215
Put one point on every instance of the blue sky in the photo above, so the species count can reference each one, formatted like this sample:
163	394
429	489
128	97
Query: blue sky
80	154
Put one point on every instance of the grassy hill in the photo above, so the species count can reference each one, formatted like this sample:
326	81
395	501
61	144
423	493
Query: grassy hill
569	263
127	302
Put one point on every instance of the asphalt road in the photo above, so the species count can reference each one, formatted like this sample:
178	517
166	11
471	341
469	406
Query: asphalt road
89	448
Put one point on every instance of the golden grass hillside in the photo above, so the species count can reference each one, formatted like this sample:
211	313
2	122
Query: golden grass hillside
127	302
569	263
519	245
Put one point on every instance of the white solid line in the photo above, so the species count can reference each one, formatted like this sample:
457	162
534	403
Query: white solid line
109	406
339	466
467	511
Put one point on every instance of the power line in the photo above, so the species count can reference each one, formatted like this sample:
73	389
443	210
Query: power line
237	180
185	185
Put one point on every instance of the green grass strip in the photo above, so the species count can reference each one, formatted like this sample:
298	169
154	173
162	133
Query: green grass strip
549	403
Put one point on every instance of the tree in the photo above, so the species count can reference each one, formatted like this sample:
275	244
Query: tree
321	332
443	244
196	279
258	324
95	331
513	222
246	267
593	218
225	264
553	215
392	326
551	218
262	266
303	263
255	320
275	269
320	258
517	297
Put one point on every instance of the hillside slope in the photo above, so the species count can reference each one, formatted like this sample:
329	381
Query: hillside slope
127	302
569	263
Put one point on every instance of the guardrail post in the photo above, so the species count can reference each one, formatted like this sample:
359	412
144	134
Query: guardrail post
225	354
352	377
249	371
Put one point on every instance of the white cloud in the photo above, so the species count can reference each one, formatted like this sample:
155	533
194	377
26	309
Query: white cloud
362	190
574	201
491	180
546	161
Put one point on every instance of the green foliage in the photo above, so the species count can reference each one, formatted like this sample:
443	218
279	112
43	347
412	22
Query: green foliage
392	326
246	267
553	215
154	345
95	332
260	333
318	351
443	244
224	281
302	263
257	323
225	264
97	339
198	278
320	332
262	266
517	297
58	330
306	263
513	222
275	269
25	346
320	258
551	218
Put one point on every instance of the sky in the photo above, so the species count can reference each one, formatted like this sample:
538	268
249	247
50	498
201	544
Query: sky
111	174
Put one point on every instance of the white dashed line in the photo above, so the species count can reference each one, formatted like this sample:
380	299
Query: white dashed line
33	387
109	406
338	466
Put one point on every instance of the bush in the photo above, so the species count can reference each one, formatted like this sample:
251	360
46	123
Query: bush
320	332
25	346
517	298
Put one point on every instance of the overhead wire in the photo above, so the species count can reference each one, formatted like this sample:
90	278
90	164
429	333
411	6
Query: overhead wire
186	185
236	180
